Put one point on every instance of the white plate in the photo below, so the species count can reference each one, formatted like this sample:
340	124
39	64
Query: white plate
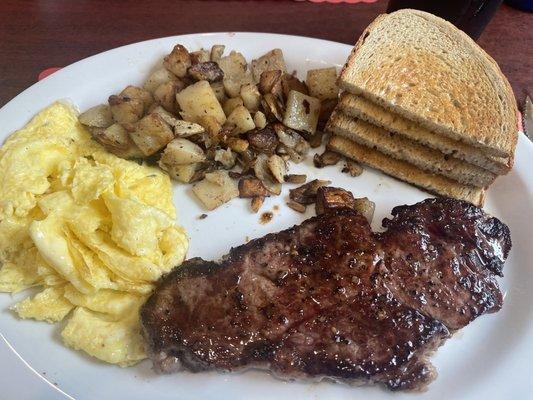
488	359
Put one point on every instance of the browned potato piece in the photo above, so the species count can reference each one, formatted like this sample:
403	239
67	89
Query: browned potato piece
294	178
270	82
273	60
220	91
226	157
326	109
216	52
165	95
277	167
296	206
231	104
322	83
260	120
126	110
262	171
216	189
331	198
178	61
116	140
168	117
199	100
139	93
290	82
235	73
352	168
272	107
181	152
306	194
186	129
200	56
211	125
181	173
264	140
326	158
242	120
301	112
206	71
256	203
159	77
250	97
98	117
152	134
238	145
252	187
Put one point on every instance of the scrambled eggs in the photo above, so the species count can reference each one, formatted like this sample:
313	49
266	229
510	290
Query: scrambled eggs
92	230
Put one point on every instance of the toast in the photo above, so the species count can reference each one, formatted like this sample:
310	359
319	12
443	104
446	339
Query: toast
423	68
359	107
405	149
404	171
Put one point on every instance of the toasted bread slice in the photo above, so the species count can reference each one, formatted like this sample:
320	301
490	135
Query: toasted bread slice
359	107
408	150
407	172
425	69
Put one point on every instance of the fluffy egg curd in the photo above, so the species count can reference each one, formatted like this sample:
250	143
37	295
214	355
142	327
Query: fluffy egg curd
91	231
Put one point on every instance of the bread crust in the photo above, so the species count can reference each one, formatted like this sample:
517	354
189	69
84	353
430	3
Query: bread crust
405	149
359	107
404	171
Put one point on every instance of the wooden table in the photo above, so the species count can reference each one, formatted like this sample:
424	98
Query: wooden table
35	35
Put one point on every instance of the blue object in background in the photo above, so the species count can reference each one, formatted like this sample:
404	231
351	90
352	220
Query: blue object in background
526	5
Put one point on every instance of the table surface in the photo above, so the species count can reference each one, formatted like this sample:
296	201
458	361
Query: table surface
36	35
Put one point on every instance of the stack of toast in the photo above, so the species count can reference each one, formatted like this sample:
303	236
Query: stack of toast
424	103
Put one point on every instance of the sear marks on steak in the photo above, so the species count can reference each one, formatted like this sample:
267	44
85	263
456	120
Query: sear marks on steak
330	298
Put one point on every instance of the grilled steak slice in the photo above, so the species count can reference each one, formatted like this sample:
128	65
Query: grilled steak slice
330	298
443	256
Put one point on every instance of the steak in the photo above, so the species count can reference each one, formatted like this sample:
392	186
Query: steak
331	299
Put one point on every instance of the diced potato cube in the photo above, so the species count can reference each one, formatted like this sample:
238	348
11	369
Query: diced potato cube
169	118
237	144
251	97
182	151
139	93
116	140
185	129
200	56
260	120
126	110
216	52
235	73
226	157
270	82
159	77
242	120
301	112
181	173
98	117
199	100
220	91
152	134
231	104
273	60
290	82
322	83
211	125
178	61
216	189
165	95
206	71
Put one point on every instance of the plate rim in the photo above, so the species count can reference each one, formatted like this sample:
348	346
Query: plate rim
528	179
